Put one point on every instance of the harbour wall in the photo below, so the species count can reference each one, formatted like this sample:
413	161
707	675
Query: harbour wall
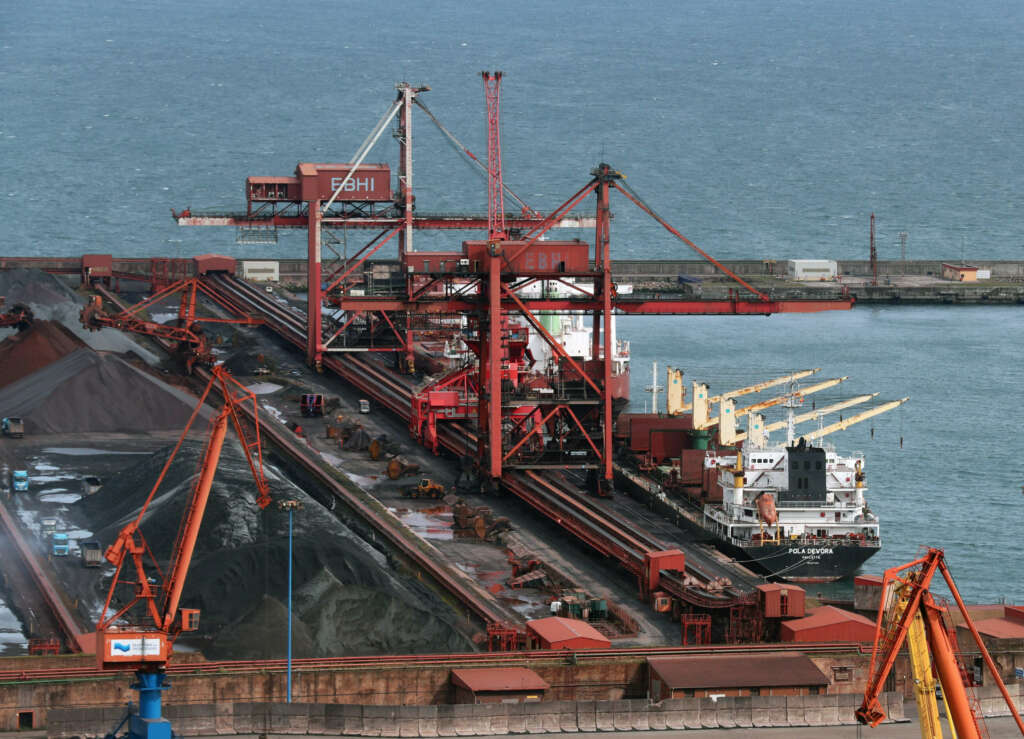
487	719
195	684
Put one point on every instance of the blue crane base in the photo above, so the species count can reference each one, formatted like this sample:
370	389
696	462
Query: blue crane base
149	722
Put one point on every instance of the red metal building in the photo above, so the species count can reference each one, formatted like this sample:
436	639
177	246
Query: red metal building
702	676
498	685
564	633
782	600
828	624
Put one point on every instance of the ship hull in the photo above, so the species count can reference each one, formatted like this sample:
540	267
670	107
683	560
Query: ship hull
802	562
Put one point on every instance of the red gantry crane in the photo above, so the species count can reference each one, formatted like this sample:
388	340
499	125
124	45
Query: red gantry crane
485	292
908	613
123	640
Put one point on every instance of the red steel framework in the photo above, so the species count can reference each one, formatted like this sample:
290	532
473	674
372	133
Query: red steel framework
484	281
186	332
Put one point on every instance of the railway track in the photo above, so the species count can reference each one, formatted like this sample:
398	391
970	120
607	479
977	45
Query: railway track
610	531
424	556
480	659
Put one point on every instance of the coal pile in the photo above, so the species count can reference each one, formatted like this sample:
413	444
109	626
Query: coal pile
348	599
87	391
41	344
50	298
34	287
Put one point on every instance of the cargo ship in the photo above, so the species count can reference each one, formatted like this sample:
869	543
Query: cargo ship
794	511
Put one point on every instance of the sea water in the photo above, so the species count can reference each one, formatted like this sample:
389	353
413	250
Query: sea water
761	130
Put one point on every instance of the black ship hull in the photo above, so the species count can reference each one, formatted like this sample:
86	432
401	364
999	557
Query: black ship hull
802	562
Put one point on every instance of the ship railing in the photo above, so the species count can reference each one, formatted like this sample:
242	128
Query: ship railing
861	540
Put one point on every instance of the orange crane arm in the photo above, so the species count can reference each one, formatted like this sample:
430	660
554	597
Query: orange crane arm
189	532
131	548
890	634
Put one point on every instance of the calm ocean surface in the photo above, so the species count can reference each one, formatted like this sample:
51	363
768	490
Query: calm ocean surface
759	129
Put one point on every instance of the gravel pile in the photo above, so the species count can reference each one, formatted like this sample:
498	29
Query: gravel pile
42	343
348	599
35	287
87	391
50	298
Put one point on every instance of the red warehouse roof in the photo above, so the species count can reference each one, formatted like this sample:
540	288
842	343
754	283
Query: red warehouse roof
772	669
567	633
829	623
499	679
1000	628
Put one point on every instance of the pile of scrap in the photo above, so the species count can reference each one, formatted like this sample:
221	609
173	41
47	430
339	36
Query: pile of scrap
398	467
478	521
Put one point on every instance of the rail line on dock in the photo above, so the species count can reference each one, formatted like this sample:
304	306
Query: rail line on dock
478	659
561	500
421	553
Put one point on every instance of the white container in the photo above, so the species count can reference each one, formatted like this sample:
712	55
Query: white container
261	271
364	406
811	269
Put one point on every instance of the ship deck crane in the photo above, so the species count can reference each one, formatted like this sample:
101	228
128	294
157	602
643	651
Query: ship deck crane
804	417
907	605
121	641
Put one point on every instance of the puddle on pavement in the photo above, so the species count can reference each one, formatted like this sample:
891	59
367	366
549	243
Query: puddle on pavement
427	525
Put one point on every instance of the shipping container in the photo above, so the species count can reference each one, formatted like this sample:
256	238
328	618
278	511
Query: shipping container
369	183
261	271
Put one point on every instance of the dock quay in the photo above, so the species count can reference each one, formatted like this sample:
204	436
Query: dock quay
911	282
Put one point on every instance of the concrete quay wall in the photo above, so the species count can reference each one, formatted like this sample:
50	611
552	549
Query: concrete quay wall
413	685
490	719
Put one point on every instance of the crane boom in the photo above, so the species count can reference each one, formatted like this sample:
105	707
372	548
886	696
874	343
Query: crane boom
756	388
150	646
846	423
699	423
187	332
906	596
146	648
810	416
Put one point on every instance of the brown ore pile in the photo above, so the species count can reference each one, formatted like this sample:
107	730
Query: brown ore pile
348	599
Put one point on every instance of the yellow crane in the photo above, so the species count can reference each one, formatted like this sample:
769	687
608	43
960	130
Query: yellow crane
804	417
908	613
702	404
846	423
677	407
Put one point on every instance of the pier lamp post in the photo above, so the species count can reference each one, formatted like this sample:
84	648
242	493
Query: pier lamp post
291	506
